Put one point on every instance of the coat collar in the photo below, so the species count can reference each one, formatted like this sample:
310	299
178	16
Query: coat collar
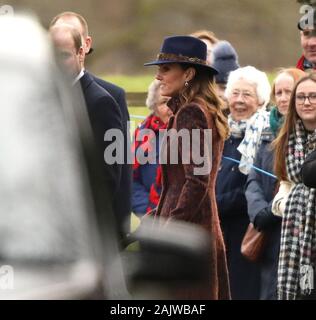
304	64
86	80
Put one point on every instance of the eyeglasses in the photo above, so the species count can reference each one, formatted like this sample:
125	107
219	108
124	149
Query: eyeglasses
245	94
300	98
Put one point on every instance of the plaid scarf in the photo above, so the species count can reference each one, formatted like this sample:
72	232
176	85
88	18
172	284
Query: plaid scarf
298	237
252	129
147	143
155	191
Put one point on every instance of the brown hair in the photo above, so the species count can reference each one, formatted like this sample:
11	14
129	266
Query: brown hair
280	144
205	35
295	73
81	19
202	89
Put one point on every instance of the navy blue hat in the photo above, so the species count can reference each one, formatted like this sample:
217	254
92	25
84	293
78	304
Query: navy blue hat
225	60
184	50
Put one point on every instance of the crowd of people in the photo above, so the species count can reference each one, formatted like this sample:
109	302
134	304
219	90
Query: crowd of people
259	160
259	173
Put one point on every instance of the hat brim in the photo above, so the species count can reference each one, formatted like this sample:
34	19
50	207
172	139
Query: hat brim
204	66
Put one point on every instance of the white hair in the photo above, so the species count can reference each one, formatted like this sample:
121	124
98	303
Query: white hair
153	95
255	77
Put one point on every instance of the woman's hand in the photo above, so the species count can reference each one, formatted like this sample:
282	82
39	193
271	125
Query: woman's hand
279	201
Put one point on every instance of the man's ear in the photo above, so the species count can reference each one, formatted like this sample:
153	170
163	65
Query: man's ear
81	54
88	44
190	74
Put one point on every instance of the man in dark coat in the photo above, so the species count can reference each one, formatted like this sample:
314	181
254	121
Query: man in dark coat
103	111
122	201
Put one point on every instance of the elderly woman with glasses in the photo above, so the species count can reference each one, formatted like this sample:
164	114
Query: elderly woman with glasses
295	143
248	93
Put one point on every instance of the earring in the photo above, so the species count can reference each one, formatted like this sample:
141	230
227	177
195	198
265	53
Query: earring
186	84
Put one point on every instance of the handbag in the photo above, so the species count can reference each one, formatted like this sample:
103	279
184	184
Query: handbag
253	243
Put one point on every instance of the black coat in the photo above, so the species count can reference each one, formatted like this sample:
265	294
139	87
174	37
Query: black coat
232	208
309	170
117	93
123	196
104	114
260	191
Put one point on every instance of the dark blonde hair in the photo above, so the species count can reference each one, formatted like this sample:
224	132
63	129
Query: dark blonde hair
295	73
202	89
205	35
280	144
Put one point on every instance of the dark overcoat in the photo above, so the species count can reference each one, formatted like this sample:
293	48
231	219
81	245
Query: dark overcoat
260	191
104	114
122	200
190	197
244	276
309	170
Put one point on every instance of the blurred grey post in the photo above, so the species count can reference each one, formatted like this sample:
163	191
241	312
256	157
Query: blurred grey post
56	225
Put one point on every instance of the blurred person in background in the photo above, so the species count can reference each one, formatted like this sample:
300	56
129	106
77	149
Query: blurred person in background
187	194
225	60
261	187
122	201
296	140
248	91
147	177
209	38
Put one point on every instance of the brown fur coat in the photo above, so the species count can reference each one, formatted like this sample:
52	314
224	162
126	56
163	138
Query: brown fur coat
189	197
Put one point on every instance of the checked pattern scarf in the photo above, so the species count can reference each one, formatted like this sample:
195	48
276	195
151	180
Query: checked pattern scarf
252	129
298	237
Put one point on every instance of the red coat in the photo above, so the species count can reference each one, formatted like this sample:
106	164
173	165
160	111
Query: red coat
191	198
303	64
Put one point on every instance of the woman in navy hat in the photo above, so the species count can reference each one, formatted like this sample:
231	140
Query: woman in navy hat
189	184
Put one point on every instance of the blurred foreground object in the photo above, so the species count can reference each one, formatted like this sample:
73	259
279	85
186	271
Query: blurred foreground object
169	260
53	205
